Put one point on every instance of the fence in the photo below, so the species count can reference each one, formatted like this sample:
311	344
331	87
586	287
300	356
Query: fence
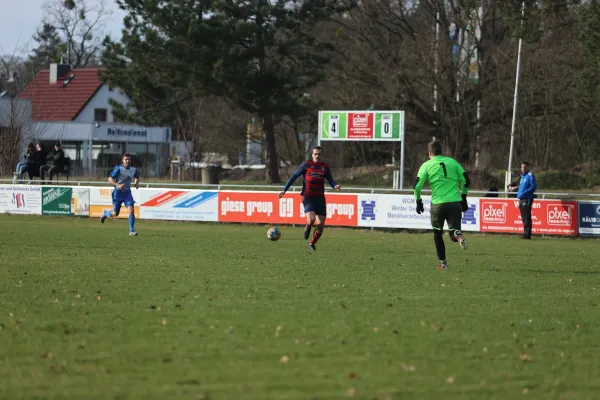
553	213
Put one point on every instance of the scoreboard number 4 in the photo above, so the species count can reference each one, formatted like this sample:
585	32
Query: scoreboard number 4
386	126
334	126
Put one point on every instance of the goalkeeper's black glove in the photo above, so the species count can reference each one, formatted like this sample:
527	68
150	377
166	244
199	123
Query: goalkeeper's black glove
463	203
420	208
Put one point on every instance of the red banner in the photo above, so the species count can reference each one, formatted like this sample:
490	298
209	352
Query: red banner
268	208
549	217
360	126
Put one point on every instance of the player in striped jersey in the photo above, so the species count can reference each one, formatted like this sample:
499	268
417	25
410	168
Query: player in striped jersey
314	173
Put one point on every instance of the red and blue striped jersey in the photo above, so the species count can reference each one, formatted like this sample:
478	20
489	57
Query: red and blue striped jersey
314	175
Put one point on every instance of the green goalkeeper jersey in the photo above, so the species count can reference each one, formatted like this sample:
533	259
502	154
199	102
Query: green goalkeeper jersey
446	178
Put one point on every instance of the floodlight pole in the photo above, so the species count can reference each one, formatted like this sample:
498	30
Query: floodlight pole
516	97
401	161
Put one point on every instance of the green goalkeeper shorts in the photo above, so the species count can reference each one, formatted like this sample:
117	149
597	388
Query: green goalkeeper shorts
446	212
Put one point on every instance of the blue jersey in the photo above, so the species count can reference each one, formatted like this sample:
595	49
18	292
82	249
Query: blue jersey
527	186
124	176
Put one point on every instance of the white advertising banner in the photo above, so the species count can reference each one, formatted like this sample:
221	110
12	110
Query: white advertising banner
399	211
21	199
101	199
179	205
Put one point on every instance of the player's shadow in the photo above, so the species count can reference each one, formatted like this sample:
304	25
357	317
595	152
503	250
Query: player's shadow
544	271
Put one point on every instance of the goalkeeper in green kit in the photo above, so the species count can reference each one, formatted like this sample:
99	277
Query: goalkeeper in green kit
449	186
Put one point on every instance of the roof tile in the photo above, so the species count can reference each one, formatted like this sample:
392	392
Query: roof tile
56	102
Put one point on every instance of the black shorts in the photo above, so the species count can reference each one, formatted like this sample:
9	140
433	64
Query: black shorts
316	204
450	212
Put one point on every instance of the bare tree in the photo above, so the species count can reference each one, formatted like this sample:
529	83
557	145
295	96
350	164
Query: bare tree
15	114
13	73
82	27
15	129
290	132
210	125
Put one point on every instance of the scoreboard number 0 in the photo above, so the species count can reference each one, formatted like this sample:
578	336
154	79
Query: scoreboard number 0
386	126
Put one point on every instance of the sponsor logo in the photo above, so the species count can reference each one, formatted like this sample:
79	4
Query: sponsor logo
360	120
196	200
536	204
53	194
18	200
469	215
248	207
286	207
346	210
367	210
493	213
559	214
590	220
165	197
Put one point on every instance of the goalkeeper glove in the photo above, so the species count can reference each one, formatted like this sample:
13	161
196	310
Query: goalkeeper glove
463	203
420	208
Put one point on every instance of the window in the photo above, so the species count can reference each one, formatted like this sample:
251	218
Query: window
100	114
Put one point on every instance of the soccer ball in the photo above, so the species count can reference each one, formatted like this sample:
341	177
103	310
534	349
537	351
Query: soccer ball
273	234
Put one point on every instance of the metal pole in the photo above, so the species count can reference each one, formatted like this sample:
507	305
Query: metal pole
90	150
435	60
401	173
478	130
319	127
516	96
401	178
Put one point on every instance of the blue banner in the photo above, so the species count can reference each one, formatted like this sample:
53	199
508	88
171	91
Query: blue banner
589	218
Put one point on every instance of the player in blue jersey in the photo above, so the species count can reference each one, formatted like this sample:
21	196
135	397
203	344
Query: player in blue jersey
315	173
121	178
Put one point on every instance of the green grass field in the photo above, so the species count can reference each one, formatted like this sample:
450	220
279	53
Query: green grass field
206	311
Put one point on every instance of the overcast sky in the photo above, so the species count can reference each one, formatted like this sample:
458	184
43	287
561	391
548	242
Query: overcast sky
19	20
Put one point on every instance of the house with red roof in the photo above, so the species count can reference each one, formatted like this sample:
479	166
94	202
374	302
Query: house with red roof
71	106
64	94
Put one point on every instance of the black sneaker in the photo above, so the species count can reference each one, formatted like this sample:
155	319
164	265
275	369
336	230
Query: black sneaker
306	233
312	247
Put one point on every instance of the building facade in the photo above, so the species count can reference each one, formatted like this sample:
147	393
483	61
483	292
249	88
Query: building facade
72	106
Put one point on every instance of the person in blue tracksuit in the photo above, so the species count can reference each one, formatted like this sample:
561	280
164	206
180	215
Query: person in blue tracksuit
525	193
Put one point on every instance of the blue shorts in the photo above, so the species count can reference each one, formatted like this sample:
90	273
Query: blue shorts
316	204
119	198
